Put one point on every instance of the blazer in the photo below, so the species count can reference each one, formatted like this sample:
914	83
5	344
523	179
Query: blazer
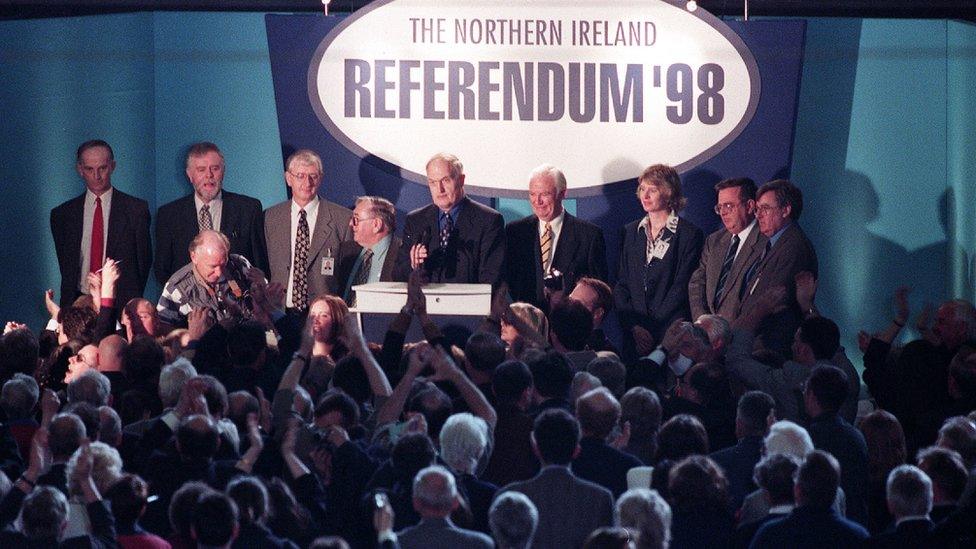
349	253
655	295
331	229
792	254
435	533
128	242
569	508
474	254
580	251
177	225
701	287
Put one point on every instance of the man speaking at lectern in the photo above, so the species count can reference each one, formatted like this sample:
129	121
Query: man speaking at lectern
455	239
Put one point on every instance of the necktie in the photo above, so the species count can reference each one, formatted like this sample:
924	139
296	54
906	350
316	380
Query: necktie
756	269
726	268
546	246
299	288
446	228
97	249
206	221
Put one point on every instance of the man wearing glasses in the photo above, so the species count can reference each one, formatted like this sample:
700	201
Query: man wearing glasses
303	235
715	286
371	254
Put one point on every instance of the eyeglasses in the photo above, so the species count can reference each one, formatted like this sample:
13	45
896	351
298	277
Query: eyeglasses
726	207
764	209
356	220
312	177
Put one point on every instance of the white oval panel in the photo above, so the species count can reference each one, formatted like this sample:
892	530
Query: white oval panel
600	90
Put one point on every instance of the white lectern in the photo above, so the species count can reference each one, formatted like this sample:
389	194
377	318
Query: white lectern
470	301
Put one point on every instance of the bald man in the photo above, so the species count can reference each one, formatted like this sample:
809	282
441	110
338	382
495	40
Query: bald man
213	279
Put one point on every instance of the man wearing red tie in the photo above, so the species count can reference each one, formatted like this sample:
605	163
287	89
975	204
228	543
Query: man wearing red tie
102	223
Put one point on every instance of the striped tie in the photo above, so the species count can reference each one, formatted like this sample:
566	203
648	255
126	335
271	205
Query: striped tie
726	269
206	221
546	246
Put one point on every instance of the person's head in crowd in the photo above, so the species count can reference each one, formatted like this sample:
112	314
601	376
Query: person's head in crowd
286	517
247	344
551	374
328	542
512	384
95	162
435	493
959	433
645	513
106	468
411	453
483	352
955	323
328	313
373	218
786	437
139	318
775	475
697	481
75	323
183	507
719	333
909	492
547	189
681	436
778	203
350	378
205	170
513	519
596	296
19	396
251	497
611	372
65	435
110	351
209	251
817	338
239	405
19	353
532	316
128	496
598	412
84	360
134	405
463	439
44	515
753	413
736	203
947	471
610	537
693	345
886	443
214	393
826	390
434	405
142	360
91	387
659	189
583	382
109	426
641	407
215	522
817	480
303	175
197	439
962	373
555	437
88	415
336	409
706	383
171	380
570	325
445	180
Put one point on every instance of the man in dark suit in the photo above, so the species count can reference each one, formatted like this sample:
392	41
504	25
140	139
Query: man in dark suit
208	208
714	287
455	239
550	242
788	252
598	412
739	461
371	254
121	220
909	498
326	225
569	508
435	496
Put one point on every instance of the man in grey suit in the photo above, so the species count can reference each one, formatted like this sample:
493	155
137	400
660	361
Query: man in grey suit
714	287
435	496
303	235
569	508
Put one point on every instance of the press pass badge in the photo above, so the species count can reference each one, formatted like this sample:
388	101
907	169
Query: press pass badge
328	263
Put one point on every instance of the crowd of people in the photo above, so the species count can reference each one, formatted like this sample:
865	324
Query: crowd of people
247	409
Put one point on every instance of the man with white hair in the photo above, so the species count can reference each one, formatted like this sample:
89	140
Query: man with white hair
464	440
435	496
91	387
513	519
550	242
645	512
909	496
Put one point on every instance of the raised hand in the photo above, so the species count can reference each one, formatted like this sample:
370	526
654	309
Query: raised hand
52	308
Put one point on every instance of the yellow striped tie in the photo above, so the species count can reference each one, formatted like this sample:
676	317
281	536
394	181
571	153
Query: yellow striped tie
546	246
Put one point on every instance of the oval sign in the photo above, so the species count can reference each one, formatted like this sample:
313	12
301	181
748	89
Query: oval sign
599	90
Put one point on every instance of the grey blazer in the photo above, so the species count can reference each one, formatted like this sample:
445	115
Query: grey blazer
331	229
701	287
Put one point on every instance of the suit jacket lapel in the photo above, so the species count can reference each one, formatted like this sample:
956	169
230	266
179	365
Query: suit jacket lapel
324	225
714	268
116	217
229	217
565	246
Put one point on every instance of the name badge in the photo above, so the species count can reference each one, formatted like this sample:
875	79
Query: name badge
660	249
328	266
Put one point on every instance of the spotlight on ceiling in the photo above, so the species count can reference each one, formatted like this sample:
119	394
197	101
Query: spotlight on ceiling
691	5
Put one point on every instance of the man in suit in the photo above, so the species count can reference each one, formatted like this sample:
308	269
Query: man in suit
371	254
102	223
569	508
787	252
550	242
455	239
739	461
208	208
435	496
715	285
909	498
304	233
598	412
